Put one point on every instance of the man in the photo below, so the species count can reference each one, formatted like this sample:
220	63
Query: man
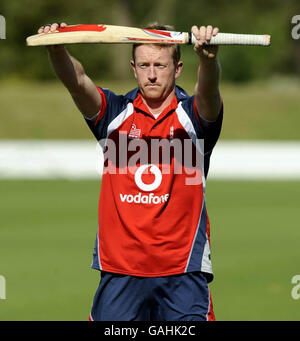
152	245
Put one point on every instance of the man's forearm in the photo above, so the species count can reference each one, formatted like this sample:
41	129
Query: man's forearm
207	88
70	71
207	96
67	68
209	76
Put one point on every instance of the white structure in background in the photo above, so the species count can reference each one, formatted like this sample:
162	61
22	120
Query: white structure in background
32	159
266	160
82	159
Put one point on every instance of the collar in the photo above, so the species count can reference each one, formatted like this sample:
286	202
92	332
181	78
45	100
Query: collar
140	106
179	92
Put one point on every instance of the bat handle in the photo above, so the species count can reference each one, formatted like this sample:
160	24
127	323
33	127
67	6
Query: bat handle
235	39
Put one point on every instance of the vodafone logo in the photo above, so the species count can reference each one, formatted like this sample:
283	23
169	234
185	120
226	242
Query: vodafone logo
146	198
148	187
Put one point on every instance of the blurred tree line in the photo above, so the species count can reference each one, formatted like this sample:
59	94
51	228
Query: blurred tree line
239	64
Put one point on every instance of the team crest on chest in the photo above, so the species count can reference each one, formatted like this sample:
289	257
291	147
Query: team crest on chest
134	132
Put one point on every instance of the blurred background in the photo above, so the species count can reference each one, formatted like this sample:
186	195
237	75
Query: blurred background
49	186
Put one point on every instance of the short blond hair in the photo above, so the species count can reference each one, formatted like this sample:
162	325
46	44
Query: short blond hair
161	27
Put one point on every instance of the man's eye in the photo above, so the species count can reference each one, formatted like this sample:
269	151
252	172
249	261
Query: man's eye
161	66
143	66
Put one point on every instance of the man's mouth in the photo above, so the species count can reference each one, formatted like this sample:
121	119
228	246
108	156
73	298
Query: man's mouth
152	85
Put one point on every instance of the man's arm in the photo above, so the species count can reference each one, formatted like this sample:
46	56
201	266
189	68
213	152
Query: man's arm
72	74
207	96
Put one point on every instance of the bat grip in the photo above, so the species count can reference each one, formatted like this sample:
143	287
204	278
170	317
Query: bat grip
235	39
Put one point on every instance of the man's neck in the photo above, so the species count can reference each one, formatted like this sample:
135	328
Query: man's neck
157	106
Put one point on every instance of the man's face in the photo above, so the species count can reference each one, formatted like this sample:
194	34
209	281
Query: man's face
155	71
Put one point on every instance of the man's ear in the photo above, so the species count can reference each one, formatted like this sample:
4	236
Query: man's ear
132	63
178	69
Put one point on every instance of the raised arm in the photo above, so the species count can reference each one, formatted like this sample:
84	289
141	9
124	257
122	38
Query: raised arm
207	95
71	72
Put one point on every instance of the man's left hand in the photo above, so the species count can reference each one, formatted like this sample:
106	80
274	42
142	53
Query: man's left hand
203	34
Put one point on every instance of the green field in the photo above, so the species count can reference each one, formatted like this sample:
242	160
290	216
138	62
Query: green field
255	111
48	230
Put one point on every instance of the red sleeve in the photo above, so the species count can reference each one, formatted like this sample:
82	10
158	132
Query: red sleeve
103	105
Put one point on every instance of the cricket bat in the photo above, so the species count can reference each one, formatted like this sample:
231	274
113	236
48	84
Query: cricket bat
111	34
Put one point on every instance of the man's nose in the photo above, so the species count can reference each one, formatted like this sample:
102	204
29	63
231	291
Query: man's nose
152	73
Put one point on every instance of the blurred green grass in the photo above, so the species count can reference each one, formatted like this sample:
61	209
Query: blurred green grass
47	237
262	110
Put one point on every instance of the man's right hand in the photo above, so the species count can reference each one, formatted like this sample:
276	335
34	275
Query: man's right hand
50	28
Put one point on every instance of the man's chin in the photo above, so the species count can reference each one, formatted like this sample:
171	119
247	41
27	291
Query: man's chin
152	93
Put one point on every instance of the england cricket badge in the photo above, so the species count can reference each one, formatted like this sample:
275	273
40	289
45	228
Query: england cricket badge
134	132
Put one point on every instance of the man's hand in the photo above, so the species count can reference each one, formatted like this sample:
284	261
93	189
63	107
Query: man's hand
203	34
50	28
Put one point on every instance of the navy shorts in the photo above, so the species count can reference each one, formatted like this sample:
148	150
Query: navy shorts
183	297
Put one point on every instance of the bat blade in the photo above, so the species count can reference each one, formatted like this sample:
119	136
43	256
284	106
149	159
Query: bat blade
111	34
107	34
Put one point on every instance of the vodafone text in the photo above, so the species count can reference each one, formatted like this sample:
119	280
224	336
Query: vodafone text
144	198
